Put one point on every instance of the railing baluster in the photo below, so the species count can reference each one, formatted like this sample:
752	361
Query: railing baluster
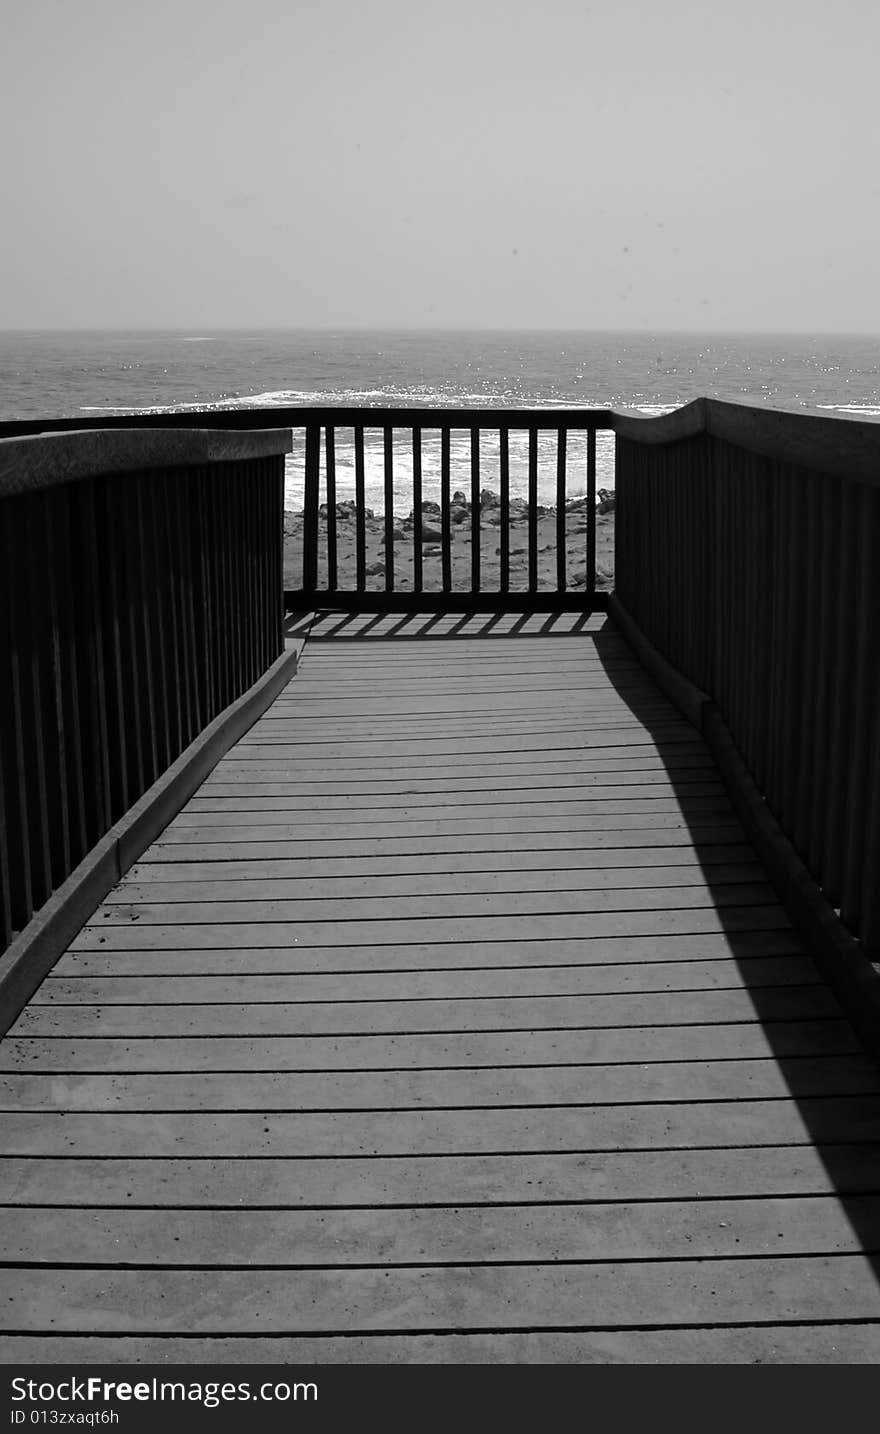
561	565
311	502
417	508
330	453
389	508
822	795
800	694
157	594
445	524
92	687
755	635
193	611
176	519
6	922
476	513
504	481
591	510
265	575
115	659
807	774
360	509
247	508
55	741
227	586
863	683
869	874
201	604
237	530
12	636
273	537
42	698
533	509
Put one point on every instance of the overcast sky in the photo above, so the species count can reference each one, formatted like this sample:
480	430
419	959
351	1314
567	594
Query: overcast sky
706	164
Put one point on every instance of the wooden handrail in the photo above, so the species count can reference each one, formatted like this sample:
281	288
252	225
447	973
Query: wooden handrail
297	416
45	460
843	447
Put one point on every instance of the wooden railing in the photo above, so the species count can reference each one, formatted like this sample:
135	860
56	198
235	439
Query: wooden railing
140	594
472	475
555	449
748	552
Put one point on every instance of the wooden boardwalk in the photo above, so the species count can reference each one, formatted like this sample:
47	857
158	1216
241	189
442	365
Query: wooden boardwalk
453	1019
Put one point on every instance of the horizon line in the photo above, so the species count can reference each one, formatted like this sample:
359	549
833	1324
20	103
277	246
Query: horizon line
652	331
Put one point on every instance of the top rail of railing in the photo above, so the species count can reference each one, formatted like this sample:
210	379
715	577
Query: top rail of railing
840	446
299	416
30	463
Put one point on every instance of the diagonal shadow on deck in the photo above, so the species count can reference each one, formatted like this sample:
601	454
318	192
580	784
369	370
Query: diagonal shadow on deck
825	1098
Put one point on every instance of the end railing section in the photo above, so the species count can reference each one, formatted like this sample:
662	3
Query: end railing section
140	594
474	456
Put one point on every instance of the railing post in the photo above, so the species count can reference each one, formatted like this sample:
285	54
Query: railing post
591	510
310	508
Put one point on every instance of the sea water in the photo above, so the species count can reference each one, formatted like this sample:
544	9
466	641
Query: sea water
47	375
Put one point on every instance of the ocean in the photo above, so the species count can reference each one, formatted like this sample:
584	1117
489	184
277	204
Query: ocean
75	374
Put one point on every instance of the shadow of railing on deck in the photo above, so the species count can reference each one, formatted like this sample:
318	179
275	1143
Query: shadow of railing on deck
442	625
839	1117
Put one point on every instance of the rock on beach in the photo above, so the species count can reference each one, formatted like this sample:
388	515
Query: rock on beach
428	519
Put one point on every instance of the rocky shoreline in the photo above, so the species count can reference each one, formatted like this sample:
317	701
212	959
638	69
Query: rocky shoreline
460	532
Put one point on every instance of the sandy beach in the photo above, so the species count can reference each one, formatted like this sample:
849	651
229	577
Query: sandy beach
490	547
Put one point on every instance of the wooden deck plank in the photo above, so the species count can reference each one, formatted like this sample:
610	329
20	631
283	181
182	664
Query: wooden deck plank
497	863
591	738
521	768
272	796
453	1008
595	1011
498	1050
500	845
668	1293
156	990
438	1236
573	813
483	905
447	931
235	884
829	1343
670	756
520	1087
652	1126
243	828
415	1181
174	960
280	783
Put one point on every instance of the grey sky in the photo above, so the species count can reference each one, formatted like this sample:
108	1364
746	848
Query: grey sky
624	164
